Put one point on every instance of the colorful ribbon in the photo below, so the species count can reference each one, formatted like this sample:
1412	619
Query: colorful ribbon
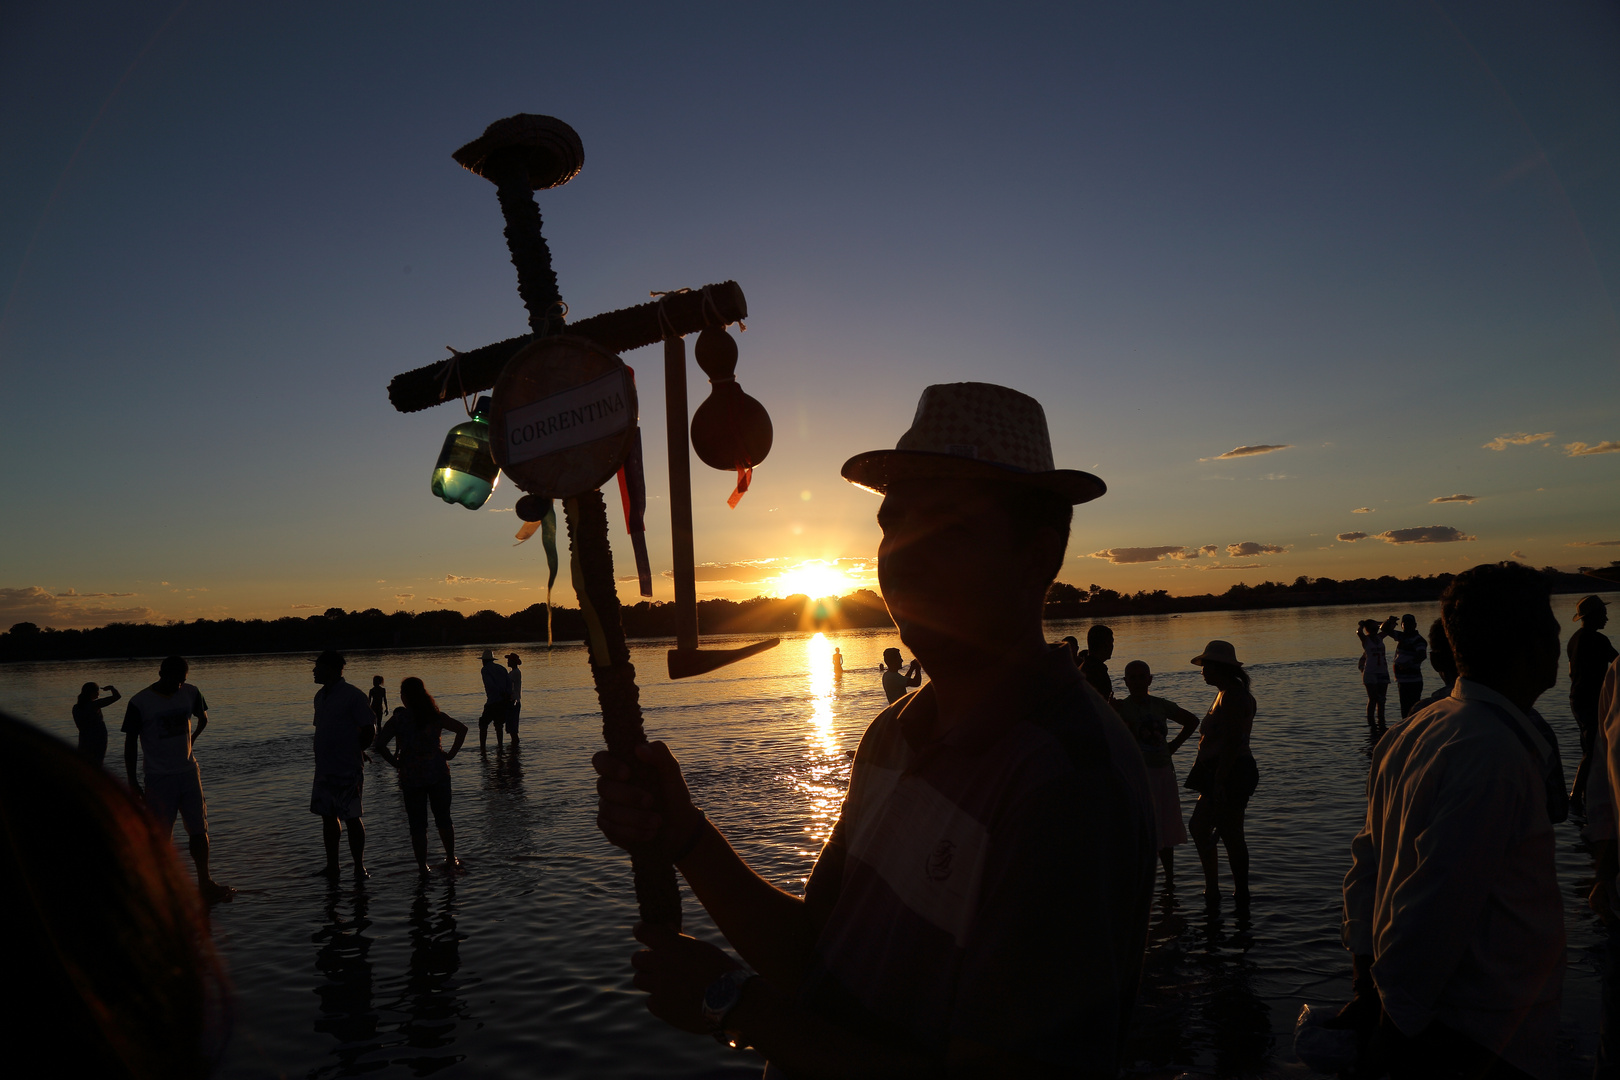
633	494
547	528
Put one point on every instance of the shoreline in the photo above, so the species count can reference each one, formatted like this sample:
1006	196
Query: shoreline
782	616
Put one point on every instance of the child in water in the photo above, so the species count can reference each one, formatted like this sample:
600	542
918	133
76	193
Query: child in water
1149	720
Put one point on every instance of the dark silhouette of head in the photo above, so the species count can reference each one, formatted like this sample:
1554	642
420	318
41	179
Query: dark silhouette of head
1440	657
376	680
1138	677
88	692
891	659
416	698
1593	612
121	978
1100	642
1409	622
997	545
329	666
1499	620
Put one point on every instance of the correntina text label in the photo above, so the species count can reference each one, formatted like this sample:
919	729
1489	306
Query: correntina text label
573	417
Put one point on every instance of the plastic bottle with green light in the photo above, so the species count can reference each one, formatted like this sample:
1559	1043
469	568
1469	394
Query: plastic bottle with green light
466	472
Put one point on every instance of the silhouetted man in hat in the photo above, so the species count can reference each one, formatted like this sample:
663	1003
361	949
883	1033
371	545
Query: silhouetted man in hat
981	906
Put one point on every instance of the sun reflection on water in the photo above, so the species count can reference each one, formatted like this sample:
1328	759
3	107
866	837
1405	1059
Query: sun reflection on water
828	773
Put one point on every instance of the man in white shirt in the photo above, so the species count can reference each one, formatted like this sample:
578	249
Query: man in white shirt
1451	905
157	722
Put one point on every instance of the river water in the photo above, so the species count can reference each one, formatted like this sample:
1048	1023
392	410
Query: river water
520	967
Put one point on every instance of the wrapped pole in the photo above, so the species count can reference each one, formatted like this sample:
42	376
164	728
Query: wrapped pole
520	155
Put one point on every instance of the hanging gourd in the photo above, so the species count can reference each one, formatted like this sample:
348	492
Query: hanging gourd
466	472
730	430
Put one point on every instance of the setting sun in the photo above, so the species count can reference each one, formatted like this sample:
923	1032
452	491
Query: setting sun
814	578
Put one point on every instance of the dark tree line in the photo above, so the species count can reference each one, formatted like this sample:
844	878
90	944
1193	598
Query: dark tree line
374	629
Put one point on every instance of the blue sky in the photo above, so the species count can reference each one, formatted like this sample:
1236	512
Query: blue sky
1379	235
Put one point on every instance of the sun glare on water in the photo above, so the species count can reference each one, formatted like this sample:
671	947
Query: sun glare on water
814	578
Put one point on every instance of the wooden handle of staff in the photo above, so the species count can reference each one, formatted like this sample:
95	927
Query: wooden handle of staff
657	892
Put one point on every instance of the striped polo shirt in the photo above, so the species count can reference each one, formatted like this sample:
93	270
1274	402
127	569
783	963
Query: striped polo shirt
992	885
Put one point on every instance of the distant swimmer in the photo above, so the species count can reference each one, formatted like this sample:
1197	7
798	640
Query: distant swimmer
157	723
497	700
379	698
92	728
424	772
895	684
838	664
344	727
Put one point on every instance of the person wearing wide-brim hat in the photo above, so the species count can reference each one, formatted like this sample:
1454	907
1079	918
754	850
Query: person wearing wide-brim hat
1224	773
1590	653
984	895
514	675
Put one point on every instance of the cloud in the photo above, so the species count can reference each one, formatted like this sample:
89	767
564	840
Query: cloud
404	596
457	579
1593	543
1351	537
75	594
1121	556
1250	451
1362	510
1517	555
304	607
1249	548
65	612
438	599
1196	552
1470	499
1580	449
1426	534
1502	442
466	599
1238	566
1280	476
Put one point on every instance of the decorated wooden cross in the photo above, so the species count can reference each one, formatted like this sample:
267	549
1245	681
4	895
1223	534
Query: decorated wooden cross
563	421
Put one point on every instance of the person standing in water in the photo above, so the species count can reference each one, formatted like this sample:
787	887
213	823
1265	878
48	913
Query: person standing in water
1410	652
424	770
1590	654
1149	720
1374	669
1224	773
379	699
157	723
514	674
344	727
838	664
1094	661
497	700
895	684
87	718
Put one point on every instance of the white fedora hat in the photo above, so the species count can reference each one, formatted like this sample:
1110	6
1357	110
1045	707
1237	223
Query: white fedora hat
974	431
1220	652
